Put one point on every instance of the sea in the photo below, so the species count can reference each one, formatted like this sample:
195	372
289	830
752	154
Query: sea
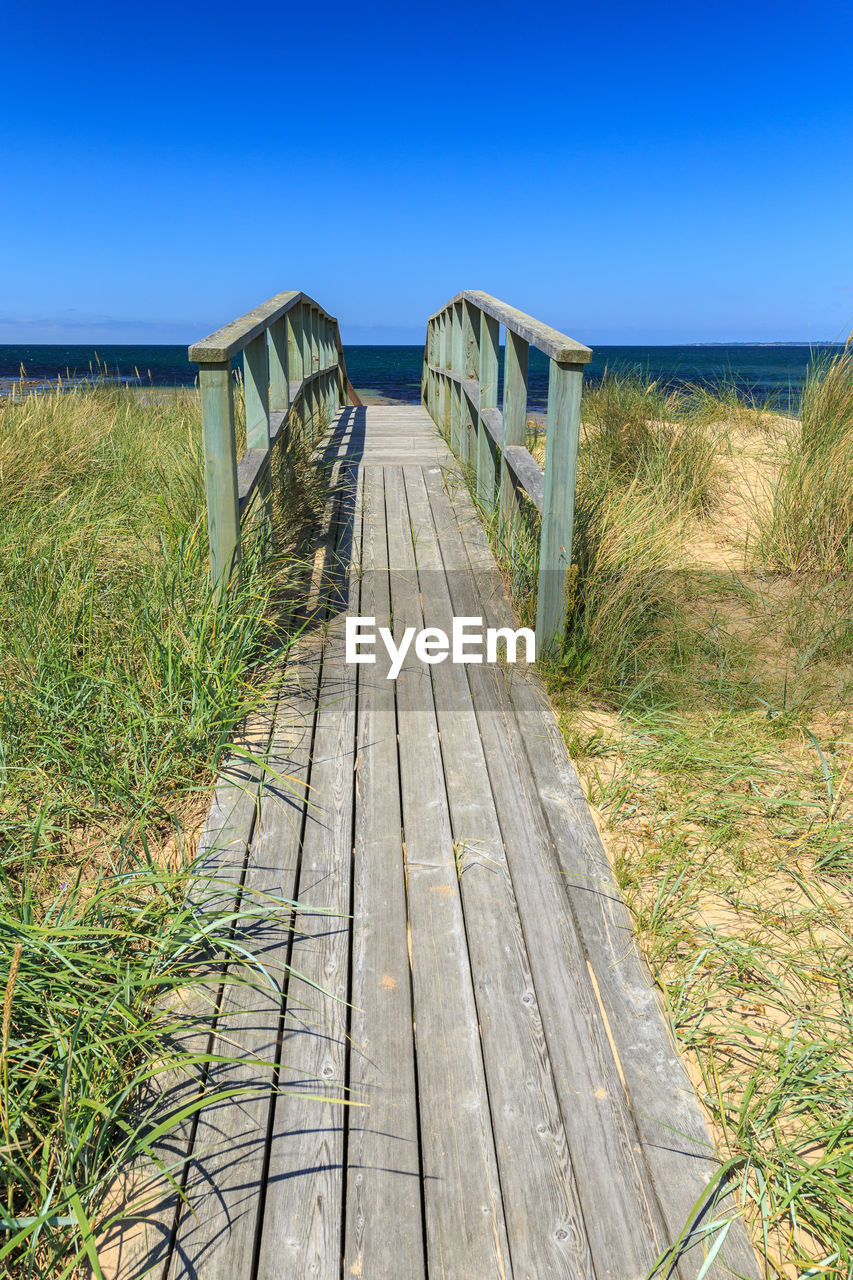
770	373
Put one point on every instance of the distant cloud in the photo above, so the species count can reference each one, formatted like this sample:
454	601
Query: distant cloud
72	326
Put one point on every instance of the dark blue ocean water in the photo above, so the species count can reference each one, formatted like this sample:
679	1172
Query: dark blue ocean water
766	371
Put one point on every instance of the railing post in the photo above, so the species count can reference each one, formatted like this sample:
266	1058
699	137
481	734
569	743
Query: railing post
514	419
456	366
558	503
294	349
307	370
331	358
278	363
488	399
324	361
294	361
470	370
340	388
220	471
429	376
442	382
257	382
315	368
433	361
332	361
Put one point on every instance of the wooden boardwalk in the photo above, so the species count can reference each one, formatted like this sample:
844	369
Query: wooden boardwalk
521	1109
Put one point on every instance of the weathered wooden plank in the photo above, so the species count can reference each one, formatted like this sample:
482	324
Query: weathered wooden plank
218	1230
426	376
140	1243
225	1186
492	420
278	421
623	1221
330	365
220	470
384	1227
308	396
303	1212
299	388
487	392
465	1229
250	469
526	472
676	1143
231	338
346	390
279	398
470	371
455	368
390	443
391	431
296	371
550	341
558	502
443	360
315	366
514	419
257	381
544	1221
470	394
401	460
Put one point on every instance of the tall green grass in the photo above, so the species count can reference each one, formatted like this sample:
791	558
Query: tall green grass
92	1016
625	606
809	523
124	679
637	432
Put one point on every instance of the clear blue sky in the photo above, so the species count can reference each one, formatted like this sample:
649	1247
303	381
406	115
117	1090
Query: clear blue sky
628	172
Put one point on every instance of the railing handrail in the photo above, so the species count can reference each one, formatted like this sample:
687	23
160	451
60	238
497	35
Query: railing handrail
460	391
551	342
294	370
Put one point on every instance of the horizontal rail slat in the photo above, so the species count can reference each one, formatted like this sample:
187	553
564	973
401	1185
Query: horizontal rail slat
471	391
520	461
556	345
493	421
277	421
296	388
250	469
527	472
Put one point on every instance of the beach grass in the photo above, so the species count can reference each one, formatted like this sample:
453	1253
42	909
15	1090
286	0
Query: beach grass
705	692
125	677
809	523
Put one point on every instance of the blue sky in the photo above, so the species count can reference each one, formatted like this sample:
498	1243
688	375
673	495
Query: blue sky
629	173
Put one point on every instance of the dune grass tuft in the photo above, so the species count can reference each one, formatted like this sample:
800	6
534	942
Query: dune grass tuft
124	679
809	524
638	432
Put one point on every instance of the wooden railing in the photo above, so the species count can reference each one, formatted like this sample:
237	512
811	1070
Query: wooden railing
294	373
460	391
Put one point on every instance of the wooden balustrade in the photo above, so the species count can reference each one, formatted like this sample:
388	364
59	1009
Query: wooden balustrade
460	392
294	374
